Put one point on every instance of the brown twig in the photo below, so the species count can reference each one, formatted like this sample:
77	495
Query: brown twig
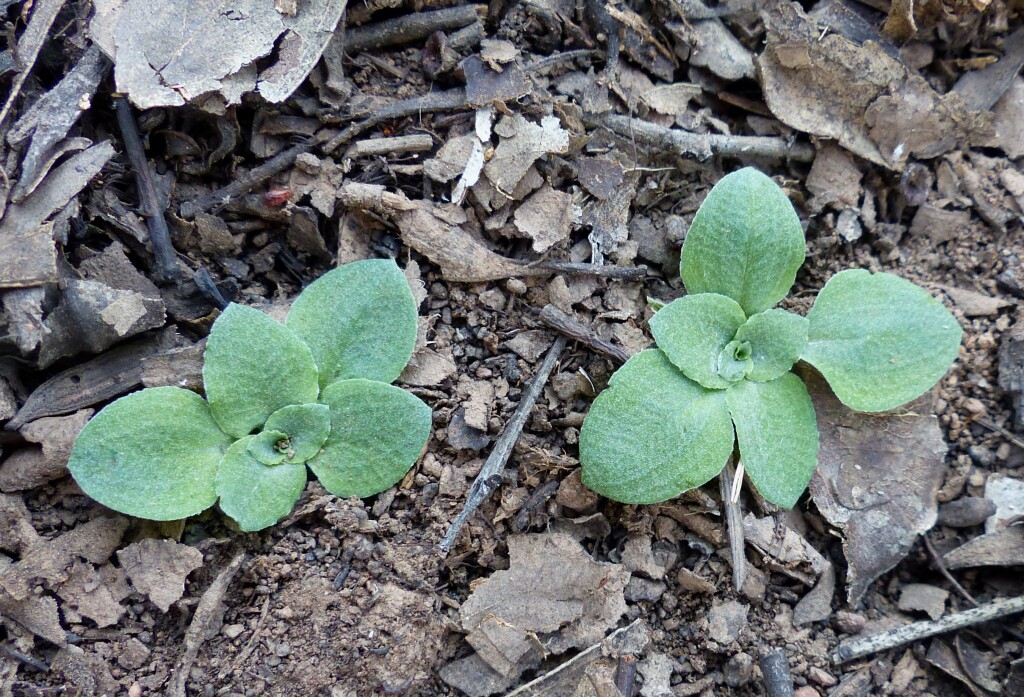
540	268
166	261
863	646
564	324
703	145
490	474
778	681
734	526
418	142
533	502
201	620
1008	435
408	27
254	639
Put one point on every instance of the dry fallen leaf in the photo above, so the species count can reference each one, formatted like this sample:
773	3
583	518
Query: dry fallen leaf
877	481
158	568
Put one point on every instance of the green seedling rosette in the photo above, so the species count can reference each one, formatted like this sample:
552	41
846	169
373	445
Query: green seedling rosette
312	392
720	377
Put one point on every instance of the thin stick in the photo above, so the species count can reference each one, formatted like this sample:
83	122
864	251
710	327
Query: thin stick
864	646
490	474
564	324
778	681
703	145
27	660
734	526
540	268
1008	435
418	142
453	99
408	27
201	620
166	261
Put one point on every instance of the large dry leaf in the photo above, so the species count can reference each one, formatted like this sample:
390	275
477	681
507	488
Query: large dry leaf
857	92
169	53
877	480
158	568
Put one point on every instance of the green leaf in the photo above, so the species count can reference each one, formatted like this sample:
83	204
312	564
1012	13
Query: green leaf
359	320
777	338
653	433
266	447
745	242
254	494
734	361
307	427
879	340
693	330
378	431
777	434
252	367
151	454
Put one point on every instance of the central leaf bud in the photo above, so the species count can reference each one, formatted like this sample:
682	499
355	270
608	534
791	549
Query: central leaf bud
734	362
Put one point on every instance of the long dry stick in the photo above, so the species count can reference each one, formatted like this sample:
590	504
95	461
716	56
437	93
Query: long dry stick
490	474
863	646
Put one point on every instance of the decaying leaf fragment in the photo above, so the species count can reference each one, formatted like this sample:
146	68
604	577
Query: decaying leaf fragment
856	92
877	480
552	598
158	568
169	53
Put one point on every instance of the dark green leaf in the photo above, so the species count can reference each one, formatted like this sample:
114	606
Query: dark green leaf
777	434
653	433
745	242
252	367
254	494
777	338
152	454
359	320
693	330
378	431
879	340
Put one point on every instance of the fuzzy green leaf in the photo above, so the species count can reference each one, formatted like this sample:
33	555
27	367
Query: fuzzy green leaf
253	366
777	338
879	340
254	494
266	446
151	454
359	320
306	426
378	431
745	242
653	433
693	330
778	436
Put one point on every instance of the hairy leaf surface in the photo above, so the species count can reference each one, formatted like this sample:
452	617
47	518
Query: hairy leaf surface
654	433
745	242
307	427
777	338
359	321
151	454
778	436
253	366
254	494
377	433
879	340
693	330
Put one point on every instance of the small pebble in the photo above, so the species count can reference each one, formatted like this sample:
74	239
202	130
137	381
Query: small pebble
738	670
821	677
849	622
806	691
135	690
974	406
515	286
965	512
643	590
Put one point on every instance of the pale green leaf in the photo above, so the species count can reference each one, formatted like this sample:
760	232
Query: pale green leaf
879	340
777	338
359	320
268	446
734	362
151	454
252	367
693	330
378	431
654	433
778	436
307	426
254	494
745	242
